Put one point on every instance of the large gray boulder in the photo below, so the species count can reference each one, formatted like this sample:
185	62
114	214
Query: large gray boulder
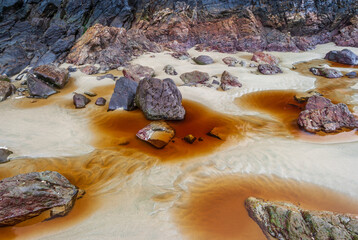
159	99
123	95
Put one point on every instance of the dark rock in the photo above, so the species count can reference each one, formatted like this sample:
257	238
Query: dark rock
326	72
230	61
170	70
90	94
229	81
6	90
215	82
72	69
46	59
4	154
181	55
281	220
264	58
90	70
195	77
110	76
157	133
321	115
352	74
39	89
53	75
159	99
345	56
64	44
28	195
80	101
189	139
100	101
203	60
123	95
244	63
268	69
138	72
303	97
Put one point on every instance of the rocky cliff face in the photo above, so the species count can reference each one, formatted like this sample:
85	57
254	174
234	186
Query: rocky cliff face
43	31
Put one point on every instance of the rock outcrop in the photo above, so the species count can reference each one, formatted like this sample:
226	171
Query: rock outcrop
157	133
285	221
123	95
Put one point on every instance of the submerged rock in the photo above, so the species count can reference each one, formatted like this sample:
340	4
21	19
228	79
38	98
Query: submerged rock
326	72
203	60
321	114
345	56
38	88
53	75
4	154
138	72
159	99
28	195
264	58
229	81
268	69
157	133
6	90
80	101
280	220
230	61
195	77
123	95
101	101
170	70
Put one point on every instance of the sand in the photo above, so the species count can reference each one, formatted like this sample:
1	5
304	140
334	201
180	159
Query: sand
131	195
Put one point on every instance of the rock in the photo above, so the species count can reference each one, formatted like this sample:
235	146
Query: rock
181	55
138	72
221	133
159	99
39	89
253	65
203	60
215	82
281	220
345	56
100	101
229	81
6	90
268	69
90	70
28	195
322	115
244	63
72	69
170	70
352	75
110	76
230	61
90	94
265	58
80	101
123	95
53	75
4	154
157	133
303	97
326	72
195	77
189	139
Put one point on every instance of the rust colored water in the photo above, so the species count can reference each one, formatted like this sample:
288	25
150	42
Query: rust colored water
214	208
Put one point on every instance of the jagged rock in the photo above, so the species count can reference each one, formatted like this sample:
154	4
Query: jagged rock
326	72
53	75
303	97
352	75
189	139
6	90
264	58
138	72
229	81
268	69
159	99
345	56
322	115
80	101
4	154
28	195
285	221
230	61
90	70
170	70
203	60
100	101
195	77
123	95
157	133
39	89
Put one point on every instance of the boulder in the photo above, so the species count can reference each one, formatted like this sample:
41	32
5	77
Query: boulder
39	89
100	101
80	101
326	72
157	133
203	60
90	70
138	72
170	70
159	99
123	95
281	220
229	81
322	115
265	58
230	61
28	195
6	90
268	69
53	75
4	154
195	77
345	56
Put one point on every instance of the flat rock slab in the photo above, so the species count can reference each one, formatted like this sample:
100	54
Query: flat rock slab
285	221
157	133
195	77
203	60
123	95
229	81
6	90
345	56
265	58
138	72
28	195
53	75
38	88
326	72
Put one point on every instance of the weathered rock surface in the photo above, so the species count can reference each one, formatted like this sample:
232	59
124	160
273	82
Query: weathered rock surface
159	99
80	101
157	133
195	77
53	75
170	70
137	72
230	61
322	115
90	70
285	221
203	60
268	69
38	88
326	72
4	154
229	81
123	95
6	90
265	58
28	195
345	56
101	101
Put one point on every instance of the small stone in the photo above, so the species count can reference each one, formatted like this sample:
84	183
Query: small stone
244	64
100	101
109	75
268	69
265	58
195	77
215	82
229	81
189	139
80	101
137	72
352	74
90	94
169	69
200	139
157	133
90	70
230	61
4	154
203	60
6	90
219	133
253	65
326	72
